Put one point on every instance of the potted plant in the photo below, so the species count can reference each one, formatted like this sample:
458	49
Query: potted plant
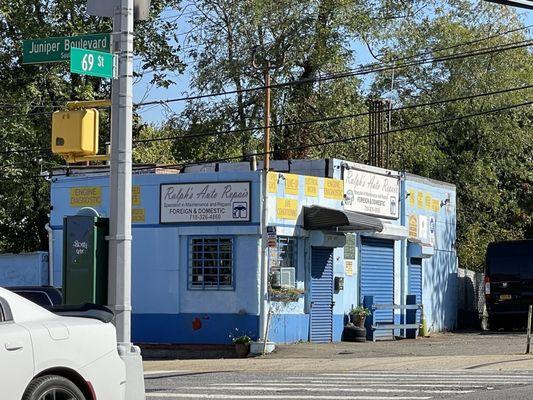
242	345
358	315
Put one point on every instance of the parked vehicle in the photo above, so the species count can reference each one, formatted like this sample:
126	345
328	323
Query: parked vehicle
509	283
45	296
44	355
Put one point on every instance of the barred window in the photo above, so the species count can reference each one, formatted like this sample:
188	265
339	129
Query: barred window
211	263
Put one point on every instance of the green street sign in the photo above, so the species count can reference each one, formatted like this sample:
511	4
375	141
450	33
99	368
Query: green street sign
57	49
93	63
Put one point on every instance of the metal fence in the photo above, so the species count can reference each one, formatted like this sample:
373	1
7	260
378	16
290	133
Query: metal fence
471	299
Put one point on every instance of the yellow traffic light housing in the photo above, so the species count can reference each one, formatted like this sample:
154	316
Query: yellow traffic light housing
75	132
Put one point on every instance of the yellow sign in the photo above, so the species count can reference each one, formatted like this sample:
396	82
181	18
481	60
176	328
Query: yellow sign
435	205
413	226
138	215
412	199
428	201
87	196
333	189
292	184
136	195
348	267
311	186
272	182
287	209
420	199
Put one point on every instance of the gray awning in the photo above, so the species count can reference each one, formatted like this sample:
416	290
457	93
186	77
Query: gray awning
323	218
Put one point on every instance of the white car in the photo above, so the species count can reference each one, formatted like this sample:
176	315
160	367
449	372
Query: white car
45	356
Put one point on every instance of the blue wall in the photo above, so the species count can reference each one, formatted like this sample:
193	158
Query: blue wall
439	272
24	269
164	309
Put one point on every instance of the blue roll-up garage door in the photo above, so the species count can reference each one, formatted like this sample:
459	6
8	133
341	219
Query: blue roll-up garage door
377	277
415	281
321	295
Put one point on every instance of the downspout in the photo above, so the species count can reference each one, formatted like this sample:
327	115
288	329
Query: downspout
403	249
50	254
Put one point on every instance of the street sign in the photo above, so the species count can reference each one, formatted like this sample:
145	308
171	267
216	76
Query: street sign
93	63
57	49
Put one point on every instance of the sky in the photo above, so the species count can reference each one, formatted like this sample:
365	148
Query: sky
143	91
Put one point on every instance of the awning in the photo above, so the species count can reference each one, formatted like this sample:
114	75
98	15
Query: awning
323	218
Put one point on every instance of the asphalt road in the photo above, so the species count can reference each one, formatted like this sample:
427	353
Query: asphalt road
354	385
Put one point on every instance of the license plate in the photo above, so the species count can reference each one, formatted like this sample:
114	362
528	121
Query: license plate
505	297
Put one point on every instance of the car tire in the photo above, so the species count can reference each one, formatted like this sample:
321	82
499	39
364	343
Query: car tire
39	388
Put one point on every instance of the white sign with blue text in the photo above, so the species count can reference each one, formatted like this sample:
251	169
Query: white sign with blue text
209	202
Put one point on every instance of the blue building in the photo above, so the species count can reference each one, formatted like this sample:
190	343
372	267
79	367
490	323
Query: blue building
337	231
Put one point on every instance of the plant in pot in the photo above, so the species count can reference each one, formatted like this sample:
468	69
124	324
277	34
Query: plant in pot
242	345
358	315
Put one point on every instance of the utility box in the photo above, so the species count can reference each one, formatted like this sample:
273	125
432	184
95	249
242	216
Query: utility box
75	132
85	256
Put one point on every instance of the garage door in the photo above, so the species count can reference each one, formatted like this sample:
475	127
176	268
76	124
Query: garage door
321	294
377	277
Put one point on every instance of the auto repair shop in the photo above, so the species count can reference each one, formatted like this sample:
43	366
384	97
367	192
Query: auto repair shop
337	231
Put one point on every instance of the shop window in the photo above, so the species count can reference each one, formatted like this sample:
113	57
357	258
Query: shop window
283	267
211	263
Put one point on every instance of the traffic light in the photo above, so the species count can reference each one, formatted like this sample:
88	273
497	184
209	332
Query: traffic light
75	133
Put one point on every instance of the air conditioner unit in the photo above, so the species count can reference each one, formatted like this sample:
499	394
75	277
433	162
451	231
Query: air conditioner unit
287	277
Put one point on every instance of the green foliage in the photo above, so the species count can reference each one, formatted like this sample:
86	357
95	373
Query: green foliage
361	311
31	92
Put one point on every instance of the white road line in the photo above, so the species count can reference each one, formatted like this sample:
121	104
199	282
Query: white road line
442	372
321	384
149	373
417	380
281	397
433	375
316	389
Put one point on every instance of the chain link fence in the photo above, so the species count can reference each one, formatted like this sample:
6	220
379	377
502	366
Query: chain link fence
471	299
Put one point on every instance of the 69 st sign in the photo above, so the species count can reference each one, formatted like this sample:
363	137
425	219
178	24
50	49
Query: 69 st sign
93	63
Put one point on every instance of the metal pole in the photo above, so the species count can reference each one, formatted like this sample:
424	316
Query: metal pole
267	118
120	173
529	328
263	309
120	198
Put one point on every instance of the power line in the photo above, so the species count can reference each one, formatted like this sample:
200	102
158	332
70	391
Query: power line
296	123
362	70
302	147
396	59
326	119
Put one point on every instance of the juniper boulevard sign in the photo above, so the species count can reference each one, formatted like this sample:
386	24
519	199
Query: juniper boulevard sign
57	49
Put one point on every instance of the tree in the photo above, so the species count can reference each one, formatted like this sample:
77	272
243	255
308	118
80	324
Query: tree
31	92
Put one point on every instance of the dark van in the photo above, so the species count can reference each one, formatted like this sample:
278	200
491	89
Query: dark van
509	283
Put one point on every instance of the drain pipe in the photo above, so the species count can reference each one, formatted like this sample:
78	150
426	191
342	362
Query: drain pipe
50	254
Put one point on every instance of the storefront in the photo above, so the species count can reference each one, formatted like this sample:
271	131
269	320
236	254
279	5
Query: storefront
336	233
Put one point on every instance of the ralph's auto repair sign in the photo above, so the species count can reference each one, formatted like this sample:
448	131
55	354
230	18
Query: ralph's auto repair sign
205	202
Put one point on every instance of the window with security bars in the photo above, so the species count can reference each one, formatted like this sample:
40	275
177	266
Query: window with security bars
211	263
283	268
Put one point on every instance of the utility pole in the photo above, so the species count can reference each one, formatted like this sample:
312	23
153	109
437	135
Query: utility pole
264	304
120	198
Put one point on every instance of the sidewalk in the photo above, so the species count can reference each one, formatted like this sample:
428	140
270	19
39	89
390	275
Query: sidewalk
472	351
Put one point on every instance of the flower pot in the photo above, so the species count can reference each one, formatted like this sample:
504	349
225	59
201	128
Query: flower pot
358	320
242	349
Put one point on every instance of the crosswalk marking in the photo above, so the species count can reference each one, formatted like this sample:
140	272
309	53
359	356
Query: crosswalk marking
347	385
275	397
286	388
318	383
